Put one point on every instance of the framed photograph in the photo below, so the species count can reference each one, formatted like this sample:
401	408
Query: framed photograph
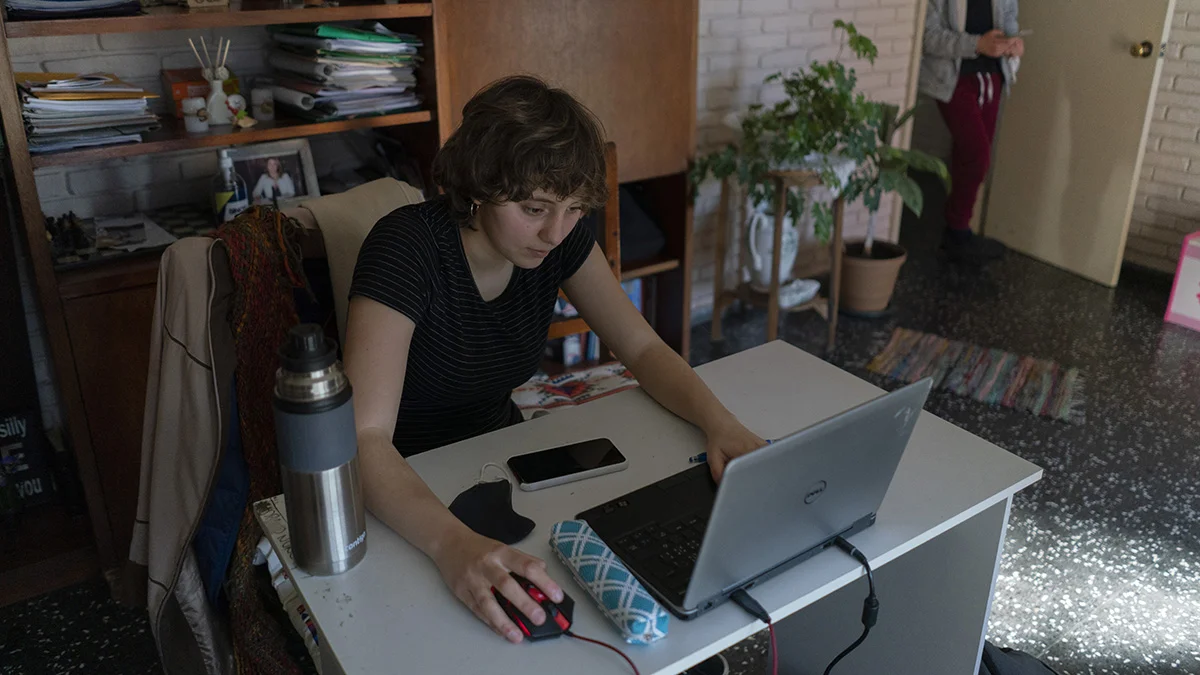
277	173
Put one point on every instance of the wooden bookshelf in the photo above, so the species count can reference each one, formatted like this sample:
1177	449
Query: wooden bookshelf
244	13
60	531
48	547
47	574
172	137
104	427
555	369
564	327
645	268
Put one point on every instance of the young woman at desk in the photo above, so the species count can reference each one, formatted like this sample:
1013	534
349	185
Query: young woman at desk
451	303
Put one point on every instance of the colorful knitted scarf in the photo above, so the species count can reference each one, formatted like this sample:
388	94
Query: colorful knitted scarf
265	260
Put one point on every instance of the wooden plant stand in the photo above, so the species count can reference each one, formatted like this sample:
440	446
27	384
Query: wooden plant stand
827	307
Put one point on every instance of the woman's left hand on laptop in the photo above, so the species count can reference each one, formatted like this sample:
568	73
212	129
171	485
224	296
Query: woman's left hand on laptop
728	439
659	370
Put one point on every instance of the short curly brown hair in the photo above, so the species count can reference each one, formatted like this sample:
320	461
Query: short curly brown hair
518	135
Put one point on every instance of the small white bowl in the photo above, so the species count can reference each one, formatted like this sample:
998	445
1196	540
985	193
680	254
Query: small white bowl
798	292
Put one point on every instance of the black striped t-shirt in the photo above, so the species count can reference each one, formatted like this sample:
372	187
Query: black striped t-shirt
467	355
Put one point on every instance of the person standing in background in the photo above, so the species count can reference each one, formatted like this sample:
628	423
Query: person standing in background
971	54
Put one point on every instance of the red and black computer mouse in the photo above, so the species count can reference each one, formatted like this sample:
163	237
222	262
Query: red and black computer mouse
558	616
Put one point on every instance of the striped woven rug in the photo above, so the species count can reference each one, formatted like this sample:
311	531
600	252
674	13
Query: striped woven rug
991	376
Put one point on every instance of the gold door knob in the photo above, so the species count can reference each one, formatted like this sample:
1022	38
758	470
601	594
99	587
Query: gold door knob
1142	50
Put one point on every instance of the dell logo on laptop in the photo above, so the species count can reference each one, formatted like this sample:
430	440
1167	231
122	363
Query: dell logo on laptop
814	493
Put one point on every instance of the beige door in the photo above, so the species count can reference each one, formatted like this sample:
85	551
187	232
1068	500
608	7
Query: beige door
1070	142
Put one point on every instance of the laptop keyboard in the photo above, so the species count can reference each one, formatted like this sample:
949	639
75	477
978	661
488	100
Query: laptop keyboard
667	552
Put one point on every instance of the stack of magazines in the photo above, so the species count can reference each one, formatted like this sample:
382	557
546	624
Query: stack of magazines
32	10
327	72
64	111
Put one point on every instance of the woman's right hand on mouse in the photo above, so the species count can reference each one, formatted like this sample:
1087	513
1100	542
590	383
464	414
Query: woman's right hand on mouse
472	565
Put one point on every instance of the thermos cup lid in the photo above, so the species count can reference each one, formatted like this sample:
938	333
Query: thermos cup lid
307	349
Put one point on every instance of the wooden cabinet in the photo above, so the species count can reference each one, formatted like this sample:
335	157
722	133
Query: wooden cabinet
632	62
109	327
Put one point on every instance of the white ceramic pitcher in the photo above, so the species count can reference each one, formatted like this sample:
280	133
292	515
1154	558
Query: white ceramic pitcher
761	242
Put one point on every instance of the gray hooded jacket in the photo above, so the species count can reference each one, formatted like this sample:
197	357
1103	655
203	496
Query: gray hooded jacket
947	44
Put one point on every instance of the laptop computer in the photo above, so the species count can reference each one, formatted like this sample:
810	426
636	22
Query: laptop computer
693	543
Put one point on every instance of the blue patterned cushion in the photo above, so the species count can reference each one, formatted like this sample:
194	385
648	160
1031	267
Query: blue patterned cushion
618	593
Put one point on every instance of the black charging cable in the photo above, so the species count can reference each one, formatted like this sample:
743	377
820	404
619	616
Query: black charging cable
870	613
742	599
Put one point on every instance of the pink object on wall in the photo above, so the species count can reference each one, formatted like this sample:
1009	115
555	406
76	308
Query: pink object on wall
1184	307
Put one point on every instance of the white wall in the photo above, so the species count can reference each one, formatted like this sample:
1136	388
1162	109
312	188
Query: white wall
1167	205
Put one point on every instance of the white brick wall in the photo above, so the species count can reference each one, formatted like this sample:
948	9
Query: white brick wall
743	41
1167	205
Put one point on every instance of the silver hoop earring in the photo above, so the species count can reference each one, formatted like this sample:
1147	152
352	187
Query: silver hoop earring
473	210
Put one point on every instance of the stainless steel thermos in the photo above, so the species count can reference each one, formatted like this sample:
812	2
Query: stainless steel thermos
318	454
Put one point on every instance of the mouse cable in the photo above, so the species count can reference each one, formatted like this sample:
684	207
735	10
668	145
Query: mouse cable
606	646
742	599
870	613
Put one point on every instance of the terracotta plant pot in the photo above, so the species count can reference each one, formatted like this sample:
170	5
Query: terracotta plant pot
868	283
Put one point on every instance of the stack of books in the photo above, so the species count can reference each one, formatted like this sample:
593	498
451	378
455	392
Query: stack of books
34	10
327	72
64	111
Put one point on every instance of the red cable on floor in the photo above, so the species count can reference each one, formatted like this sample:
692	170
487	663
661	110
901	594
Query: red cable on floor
606	646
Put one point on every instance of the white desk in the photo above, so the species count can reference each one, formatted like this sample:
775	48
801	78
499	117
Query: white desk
936	545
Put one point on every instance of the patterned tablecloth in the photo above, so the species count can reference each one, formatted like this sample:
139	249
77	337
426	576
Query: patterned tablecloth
545	392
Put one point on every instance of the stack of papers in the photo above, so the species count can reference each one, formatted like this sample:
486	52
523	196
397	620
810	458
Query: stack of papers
30	10
64	111
76	87
131	233
327	72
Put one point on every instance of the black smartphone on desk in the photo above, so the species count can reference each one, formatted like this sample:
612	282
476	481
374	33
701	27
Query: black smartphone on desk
567	463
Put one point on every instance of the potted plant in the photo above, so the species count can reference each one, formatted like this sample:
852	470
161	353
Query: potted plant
824	125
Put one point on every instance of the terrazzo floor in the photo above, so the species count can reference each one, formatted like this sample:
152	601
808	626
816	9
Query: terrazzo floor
1101	569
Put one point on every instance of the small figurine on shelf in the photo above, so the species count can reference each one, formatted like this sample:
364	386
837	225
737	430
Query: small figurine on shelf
262	102
236	103
195	115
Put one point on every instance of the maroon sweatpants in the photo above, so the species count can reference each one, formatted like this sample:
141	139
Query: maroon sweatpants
971	116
